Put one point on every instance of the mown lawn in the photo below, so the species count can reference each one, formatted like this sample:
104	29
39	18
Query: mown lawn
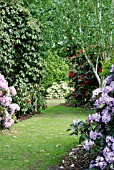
39	142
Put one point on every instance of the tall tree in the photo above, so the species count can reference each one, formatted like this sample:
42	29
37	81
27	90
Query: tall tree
95	26
67	25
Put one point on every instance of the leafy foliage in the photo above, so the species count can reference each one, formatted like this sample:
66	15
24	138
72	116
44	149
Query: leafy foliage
106	66
32	99
61	21
20	44
56	69
20	48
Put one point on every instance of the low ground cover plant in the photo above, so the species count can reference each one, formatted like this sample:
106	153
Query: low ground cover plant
97	133
7	107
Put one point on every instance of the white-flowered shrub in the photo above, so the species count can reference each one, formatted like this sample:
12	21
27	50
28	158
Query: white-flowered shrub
58	90
7	108
97	133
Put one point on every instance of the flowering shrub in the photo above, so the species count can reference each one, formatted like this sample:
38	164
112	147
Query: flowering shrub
82	78
58	90
30	98
98	131
7	108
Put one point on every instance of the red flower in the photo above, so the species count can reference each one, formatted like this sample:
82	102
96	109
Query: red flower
80	51
100	70
87	74
83	95
75	55
86	82
75	96
71	74
28	101
34	112
80	66
69	57
82	77
79	84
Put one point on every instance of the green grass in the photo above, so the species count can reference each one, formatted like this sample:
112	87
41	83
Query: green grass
55	102
41	141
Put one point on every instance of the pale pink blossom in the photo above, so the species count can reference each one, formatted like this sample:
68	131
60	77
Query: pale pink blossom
14	107
1	93
0	99
4	85
13	90
6	100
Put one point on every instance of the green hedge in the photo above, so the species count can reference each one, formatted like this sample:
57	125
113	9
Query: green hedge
20	44
20	47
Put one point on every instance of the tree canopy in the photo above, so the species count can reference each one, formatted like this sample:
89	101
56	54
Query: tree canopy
66	24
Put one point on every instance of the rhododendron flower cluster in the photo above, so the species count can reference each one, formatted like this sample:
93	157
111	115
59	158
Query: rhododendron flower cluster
101	139
97	133
7	108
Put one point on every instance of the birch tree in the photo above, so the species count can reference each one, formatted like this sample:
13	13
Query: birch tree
95	31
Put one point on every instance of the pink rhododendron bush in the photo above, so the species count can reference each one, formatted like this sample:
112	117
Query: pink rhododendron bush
7	108
97	133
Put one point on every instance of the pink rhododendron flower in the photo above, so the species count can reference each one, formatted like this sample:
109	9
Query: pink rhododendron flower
6	100
5	103
4	85
14	107
8	120
1	93
8	123
2	78
0	99
13	91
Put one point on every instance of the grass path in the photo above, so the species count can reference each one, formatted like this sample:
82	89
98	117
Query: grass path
55	102
41	141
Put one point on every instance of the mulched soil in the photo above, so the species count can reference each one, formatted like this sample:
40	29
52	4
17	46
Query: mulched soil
77	159
26	116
